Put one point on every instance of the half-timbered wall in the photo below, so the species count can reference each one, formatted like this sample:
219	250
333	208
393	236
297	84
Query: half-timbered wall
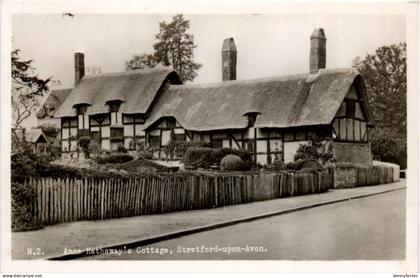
133	129
350	122
69	128
160	134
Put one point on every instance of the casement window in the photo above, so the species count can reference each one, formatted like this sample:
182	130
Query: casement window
95	136
117	133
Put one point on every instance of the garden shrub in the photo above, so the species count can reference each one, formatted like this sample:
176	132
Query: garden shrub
232	162
303	164
23	197
277	165
143	152
181	147
219	154
26	164
114	158
50	131
198	157
94	147
121	149
318	149
204	157
141	165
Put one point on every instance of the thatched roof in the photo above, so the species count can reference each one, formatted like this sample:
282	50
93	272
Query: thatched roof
136	89
53	102
298	100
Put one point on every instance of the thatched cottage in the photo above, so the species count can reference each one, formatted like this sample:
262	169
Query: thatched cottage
268	116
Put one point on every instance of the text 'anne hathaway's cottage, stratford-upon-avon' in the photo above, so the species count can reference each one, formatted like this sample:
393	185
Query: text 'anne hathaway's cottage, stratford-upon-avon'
267	116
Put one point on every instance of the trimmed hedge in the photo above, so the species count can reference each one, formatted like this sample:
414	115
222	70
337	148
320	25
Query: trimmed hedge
303	164
232	162
204	157
114	158
198	157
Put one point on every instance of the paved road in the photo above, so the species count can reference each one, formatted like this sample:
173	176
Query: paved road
371	228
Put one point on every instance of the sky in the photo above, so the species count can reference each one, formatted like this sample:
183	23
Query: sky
268	45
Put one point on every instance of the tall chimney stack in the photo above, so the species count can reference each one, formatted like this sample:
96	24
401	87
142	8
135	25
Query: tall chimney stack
318	54
79	67
229	60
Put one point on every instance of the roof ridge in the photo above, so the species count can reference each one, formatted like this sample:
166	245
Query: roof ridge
129	72
308	78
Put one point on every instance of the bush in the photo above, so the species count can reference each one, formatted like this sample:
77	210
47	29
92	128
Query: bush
50	131
303	164
22	202
277	165
182	146
94	147
219	154
198	157
141	165
143	152
232	162
204	157
318	149
121	149
114	158
25	163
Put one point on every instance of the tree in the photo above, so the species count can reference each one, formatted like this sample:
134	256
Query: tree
174	47
27	87
385	75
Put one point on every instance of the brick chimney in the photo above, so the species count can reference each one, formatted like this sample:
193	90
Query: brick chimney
229	60
79	67
318	54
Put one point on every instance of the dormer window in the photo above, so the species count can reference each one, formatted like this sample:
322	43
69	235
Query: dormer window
252	118
81	109
114	105
114	109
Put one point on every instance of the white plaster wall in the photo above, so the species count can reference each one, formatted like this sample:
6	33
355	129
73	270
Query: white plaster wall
226	144
290	149
139	130
128	130
262	159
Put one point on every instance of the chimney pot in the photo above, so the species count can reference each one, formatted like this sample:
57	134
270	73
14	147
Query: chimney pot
229	54
79	67
318	54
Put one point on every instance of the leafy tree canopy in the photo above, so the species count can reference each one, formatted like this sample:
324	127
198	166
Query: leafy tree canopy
173	47
385	75
26	88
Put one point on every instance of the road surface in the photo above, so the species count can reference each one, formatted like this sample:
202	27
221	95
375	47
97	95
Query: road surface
371	228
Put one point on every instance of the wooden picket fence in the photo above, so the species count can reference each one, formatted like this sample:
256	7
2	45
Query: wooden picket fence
374	175
66	200
356	176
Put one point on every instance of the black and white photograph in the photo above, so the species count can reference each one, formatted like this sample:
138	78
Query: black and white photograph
174	135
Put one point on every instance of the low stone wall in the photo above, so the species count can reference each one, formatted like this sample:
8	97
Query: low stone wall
358	153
